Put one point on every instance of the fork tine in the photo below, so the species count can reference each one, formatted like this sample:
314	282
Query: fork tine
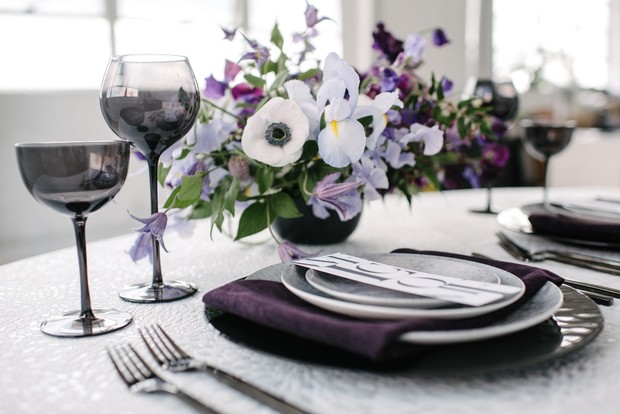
153	347
168	340
509	244
514	253
123	372
139	363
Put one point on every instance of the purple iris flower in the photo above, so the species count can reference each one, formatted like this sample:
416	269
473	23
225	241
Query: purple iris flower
387	44
439	37
371	177
389	80
343	198
154	226
289	252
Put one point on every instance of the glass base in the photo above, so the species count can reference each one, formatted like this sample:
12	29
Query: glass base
167	292
71	325
485	211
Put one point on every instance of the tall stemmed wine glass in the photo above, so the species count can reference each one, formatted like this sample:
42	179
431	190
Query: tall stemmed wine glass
503	100
151	101
76	179
544	139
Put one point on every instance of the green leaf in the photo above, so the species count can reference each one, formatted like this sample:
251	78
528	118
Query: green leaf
231	196
283	205
191	187
311	150
307	74
253	219
202	210
172	198
162	173
279	80
255	80
276	37
264	178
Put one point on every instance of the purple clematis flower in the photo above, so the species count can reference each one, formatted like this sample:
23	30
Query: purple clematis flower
439	37
312	16
154	227
414	48
289	252
259	53
343	198
389	80
229	34
446	84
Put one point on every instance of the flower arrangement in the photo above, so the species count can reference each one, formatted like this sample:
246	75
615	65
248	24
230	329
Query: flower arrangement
279	128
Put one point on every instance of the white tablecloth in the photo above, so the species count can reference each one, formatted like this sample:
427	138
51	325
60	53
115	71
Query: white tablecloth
44	374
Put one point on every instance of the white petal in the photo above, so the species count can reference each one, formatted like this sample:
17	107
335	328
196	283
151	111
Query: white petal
298	91
341	143
335	67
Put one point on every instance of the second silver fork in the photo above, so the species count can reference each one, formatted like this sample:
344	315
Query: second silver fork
173	358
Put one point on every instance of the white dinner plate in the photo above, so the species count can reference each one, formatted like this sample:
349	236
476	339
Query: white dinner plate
353	291
294	280
538	309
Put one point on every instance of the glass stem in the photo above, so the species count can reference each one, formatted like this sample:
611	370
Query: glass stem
489	200
79	226
545	188
157	276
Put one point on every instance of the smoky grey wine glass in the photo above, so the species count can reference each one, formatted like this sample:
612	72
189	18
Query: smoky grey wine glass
151	101
77	179
543	139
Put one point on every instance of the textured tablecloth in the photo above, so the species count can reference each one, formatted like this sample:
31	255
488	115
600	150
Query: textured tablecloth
57	375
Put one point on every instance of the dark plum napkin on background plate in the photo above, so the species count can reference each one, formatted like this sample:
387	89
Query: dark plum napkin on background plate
270	304
552	223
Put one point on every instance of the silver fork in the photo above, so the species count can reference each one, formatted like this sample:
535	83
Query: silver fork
573	258
171	357
140	377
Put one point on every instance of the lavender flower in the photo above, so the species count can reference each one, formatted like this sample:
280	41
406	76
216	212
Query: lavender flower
312	16
343	198
259	53
289	252
229	34
414	48
446	84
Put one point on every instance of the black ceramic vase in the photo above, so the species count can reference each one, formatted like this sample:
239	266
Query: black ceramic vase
309	229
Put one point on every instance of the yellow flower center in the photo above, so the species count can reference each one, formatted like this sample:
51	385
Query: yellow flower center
334	125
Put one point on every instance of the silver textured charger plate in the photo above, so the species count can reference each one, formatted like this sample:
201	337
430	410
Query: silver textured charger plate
353	291
293	278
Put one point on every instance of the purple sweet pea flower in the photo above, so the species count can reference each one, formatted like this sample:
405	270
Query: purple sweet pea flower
289	252
371	177
414	48
343	198
214	89
387	44
439	37
446	84
389	80
154	227
231	69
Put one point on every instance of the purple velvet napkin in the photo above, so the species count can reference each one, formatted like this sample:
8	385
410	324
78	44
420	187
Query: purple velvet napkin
270	304
554	224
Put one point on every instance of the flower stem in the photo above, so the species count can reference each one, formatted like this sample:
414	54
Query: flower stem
226	111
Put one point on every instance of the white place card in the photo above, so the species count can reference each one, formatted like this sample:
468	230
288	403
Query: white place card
452	289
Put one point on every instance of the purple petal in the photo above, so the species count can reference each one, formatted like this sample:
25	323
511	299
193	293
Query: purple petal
141	248
439	37
288	252
214	88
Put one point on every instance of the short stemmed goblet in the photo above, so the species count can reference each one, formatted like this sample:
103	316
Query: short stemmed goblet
151	101
503	100
76	179
544	139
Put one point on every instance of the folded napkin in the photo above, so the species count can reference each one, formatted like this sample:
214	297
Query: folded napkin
270	304
552	223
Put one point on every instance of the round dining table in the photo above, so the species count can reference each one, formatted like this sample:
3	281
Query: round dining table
45	374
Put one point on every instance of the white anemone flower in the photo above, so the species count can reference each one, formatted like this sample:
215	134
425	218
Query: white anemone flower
276	133
432	137
343	140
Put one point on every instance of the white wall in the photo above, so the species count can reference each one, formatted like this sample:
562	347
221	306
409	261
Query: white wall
27	227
